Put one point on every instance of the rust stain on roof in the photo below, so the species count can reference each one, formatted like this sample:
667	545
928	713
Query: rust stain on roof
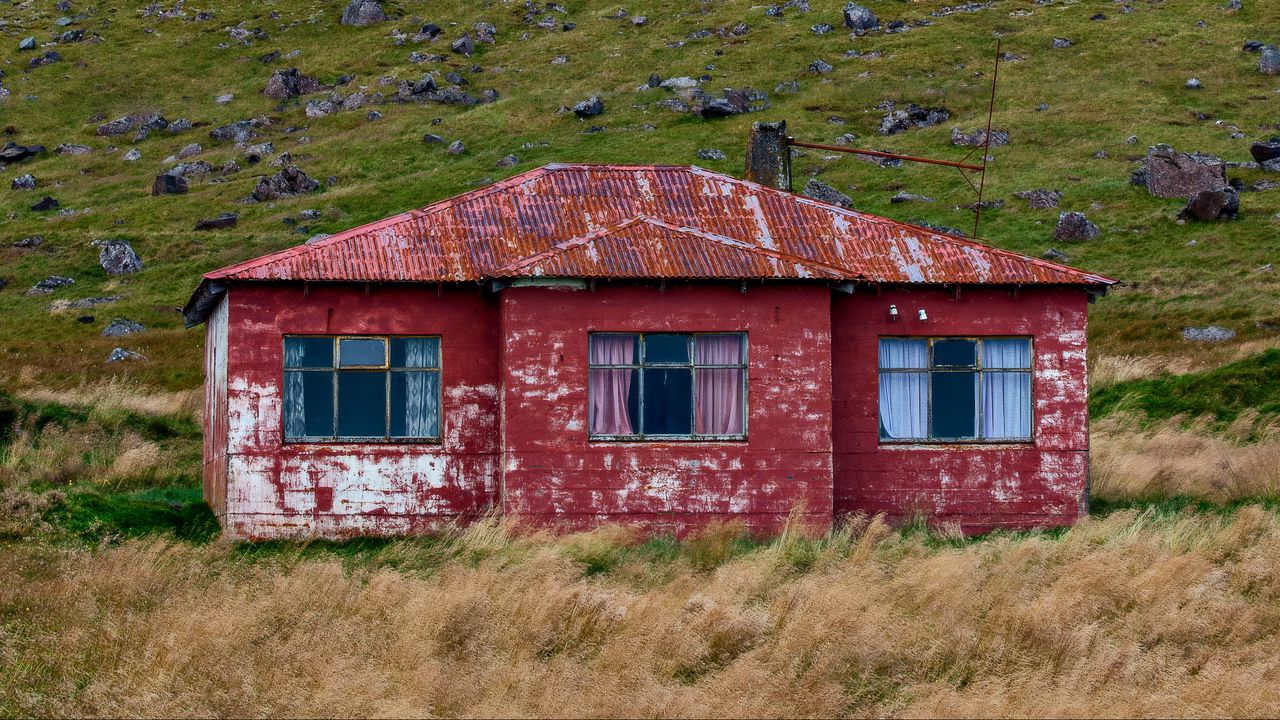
612	221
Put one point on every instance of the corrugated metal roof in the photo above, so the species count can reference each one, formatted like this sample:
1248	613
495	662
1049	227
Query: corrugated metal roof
645	221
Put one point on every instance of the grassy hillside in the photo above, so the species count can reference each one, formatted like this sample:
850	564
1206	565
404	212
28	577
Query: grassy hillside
1122	76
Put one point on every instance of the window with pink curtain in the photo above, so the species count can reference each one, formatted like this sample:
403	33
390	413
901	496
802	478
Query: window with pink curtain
667	386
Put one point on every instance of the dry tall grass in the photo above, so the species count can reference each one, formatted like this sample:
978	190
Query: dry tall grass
1134	614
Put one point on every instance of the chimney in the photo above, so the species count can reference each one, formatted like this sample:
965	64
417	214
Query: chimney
768	155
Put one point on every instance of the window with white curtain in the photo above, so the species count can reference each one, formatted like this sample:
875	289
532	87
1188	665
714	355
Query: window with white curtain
361	388
955	389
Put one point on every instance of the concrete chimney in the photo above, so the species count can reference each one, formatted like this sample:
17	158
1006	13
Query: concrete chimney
768	155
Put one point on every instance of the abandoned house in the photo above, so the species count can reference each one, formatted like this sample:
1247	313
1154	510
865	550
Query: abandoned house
661	345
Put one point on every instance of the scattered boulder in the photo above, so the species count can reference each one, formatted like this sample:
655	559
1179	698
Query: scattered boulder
120	354
224	98
361	13
27	243
978	138
1055	255
241	131
1223	202
168	184
463	46
913	116
221	222
734	102
117	257
820	67
1075	227
711	154
590	107
291	180
905	197
45	204
289	83
73	149
1194	84
1173	174
1209	333
859	18
1040	199
1269	60
49	284
825	193
133	155
24	182
27	43
123	326
1264	151
13	152
1061	42
48	58
456	148
130	123
432	139
507	161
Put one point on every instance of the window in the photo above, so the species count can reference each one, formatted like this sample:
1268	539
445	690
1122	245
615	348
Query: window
667	386
955	389
361	388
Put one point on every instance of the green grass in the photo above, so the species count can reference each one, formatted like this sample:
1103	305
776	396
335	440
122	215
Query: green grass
1223	393
1122	77
94	516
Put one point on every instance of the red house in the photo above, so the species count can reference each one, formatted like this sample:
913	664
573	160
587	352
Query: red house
582	344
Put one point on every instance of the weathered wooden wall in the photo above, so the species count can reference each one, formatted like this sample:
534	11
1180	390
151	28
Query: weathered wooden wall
277	489
553	473
214	470
979	486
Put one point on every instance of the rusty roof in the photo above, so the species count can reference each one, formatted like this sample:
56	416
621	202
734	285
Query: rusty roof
642	221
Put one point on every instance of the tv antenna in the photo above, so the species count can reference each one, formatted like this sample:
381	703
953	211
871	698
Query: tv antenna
960	165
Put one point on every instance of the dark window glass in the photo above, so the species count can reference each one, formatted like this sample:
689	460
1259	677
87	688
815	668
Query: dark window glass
666	348
668	401
308	352
362	404
415	398
308	403
355	352
418	352
955	406
955	353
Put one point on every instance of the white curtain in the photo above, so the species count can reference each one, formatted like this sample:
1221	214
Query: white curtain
904	396
1006	396
295	419
421	389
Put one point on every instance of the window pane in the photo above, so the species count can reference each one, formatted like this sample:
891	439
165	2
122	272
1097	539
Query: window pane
666	348
955	407
955	353
668	401
719	401
312	352
421	352
904	353
308	404
904	405
612	349
362	404
613	401
1006	353
1006	405
362	352
718	349
415	404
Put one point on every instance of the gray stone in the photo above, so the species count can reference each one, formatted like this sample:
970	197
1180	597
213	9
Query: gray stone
1209	333
820	29
27	243
1194	84
913	116
27	43
316	238
1061	42
24	182
1075	227
224	98
49	284
463	46
1263	151
289	83
1173	174
1040	199
120	354
168	184
859	18
45	204
133	155
48	58
711	154
1056	256
291	180
190	150
905	197
1223	202
977	138
221	222
507	161
360	13
13	152
117	257
432	139
456	148
73	149
1269	60
826	193
123	326
820	67
590	107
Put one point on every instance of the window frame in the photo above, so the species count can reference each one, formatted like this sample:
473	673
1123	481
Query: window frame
386	369
979	369
639	365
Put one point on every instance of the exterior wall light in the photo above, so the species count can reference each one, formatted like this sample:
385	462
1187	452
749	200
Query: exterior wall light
893	313
923	316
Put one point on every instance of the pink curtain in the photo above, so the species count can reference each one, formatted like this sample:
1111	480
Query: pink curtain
719	400
609	388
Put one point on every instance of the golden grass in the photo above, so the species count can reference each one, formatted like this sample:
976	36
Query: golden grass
1166	459
115	394
1136	614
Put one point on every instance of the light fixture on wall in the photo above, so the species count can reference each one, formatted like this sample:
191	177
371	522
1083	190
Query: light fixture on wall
923	316
893	313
